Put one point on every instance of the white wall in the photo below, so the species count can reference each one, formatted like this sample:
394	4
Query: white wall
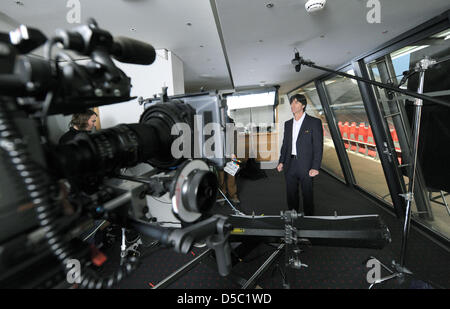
177	74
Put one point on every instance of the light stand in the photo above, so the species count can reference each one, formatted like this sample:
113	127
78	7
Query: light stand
399	268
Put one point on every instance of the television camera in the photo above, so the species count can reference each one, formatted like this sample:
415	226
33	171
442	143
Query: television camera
33	209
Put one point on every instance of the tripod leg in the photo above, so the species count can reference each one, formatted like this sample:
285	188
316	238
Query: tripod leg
384	279
387	268
283	277
393	274
381	264
445	202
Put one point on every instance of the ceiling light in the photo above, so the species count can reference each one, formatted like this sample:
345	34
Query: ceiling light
315	5
188	24
407	50
269	5
251	100
445	33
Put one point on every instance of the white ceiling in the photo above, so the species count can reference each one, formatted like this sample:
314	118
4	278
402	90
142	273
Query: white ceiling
258	42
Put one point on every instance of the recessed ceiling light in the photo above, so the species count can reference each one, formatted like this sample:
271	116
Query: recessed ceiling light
20	3
269	5
202	46
133	29
322	36
260	41
188	24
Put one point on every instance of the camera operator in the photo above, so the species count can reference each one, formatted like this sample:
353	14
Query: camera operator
82	122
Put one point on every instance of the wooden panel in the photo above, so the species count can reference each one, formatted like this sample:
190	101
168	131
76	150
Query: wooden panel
97	122
264	146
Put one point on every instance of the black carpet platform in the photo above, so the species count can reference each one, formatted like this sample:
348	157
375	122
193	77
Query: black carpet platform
328	267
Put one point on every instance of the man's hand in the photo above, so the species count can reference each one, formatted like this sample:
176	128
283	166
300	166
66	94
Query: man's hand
280	167
313	173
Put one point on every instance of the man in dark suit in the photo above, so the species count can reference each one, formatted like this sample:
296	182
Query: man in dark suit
301	154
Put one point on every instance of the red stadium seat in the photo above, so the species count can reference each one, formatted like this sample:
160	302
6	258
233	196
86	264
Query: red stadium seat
362	138
353	137
345	134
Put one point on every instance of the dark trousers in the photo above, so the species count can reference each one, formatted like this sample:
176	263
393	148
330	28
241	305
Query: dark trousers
295	176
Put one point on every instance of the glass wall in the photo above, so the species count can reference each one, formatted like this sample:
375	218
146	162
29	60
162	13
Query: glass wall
356	133
330	161
253	116
398	68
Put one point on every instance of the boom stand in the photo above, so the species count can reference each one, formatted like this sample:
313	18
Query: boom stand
400	270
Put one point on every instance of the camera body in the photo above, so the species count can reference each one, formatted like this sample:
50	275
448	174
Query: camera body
207	126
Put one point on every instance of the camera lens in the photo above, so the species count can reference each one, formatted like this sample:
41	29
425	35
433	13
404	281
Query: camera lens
199	191
163	117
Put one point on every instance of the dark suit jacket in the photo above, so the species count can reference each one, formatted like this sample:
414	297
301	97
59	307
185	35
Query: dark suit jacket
309	144
70	135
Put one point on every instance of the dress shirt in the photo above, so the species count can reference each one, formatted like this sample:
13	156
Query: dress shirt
296	125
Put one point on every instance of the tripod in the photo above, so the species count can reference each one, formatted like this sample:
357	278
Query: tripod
399	270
